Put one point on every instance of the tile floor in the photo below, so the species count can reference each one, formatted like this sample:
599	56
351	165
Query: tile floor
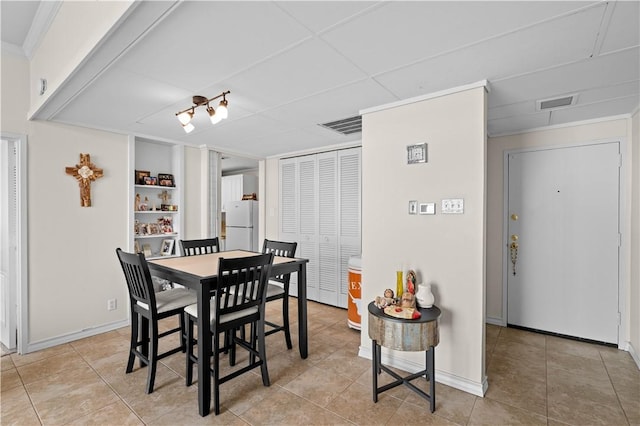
533	379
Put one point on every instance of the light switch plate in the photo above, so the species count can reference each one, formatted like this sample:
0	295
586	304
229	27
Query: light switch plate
427	208
453	206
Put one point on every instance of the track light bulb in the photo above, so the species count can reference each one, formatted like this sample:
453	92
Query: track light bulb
213	116
188	128
185	117
222	109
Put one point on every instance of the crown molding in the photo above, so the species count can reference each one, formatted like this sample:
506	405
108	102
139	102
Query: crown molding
47	11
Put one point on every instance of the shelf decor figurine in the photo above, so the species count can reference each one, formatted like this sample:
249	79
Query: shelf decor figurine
424	296
85	173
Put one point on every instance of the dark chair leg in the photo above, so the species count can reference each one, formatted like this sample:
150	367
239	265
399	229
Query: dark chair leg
189	353
285	319
216	373
153	357
262	351
183	337
134	342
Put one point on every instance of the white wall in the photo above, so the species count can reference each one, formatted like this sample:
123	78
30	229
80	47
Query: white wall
445	250
73	268
614	129
634	303
192	187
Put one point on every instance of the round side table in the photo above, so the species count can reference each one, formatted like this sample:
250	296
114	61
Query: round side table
405	335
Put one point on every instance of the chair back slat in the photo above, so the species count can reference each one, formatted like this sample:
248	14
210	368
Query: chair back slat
138	277
198	247
242	283
282	249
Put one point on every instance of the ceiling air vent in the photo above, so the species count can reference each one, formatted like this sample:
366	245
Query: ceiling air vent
556	103
346	126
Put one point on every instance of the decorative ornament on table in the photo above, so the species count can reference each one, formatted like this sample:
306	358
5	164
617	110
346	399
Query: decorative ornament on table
411	281
408	301
424	296
386	300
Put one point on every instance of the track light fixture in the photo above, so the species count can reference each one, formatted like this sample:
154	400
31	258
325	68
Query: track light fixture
185	116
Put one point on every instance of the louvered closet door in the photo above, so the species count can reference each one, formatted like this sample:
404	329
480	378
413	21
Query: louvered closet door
308	220
349	208
289	209
328	261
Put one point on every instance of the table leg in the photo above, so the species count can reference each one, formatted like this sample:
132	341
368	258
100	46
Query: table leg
432	378
302	311
204	349
375	369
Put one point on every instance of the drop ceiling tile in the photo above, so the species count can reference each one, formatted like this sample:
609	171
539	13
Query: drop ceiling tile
624	28
320	15
203	42
602	71
401	33
509	55
343	102
309	68
118	98
596	110
508	125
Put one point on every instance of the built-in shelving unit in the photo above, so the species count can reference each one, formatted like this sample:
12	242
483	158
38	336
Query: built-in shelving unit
155	218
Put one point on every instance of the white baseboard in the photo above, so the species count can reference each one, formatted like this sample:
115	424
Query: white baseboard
460	383
66	338
634	354
496	321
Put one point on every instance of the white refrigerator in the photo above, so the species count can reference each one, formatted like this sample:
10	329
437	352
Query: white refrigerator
242	225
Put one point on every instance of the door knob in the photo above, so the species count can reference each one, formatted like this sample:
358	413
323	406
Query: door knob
514	237
514	217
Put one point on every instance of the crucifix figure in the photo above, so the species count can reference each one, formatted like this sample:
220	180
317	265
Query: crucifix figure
85	173
164	196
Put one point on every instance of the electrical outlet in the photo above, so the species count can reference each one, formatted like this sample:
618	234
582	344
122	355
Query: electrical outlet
453	206
112	304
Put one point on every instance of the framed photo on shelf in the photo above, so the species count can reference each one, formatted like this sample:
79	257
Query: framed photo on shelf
165	179
166	249
140	175
150	180
153	228
146	249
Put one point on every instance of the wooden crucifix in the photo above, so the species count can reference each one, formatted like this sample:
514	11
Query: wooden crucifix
85	173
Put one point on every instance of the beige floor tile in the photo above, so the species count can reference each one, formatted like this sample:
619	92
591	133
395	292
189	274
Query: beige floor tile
20	360
286	366
6	363
346	363
318	386
356	405
10	379
577	411
93	349
520	392
578	365
573	347
411	414
522	336
586	387
16	408
399	392
50	366
114	414
631	408
530	354
63	397
451	404
190	416
286	408
489	412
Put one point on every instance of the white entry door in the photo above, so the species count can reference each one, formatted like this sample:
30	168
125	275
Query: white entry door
563	239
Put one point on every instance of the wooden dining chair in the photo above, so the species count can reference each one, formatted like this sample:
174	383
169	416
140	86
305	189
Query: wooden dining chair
147	308
238	300
278	287
197	247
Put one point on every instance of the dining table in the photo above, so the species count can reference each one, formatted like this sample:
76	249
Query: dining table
200	274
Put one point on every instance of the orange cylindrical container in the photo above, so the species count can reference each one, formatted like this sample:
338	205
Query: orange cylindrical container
355	292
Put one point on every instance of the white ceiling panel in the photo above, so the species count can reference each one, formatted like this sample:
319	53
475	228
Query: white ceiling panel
307	69
595	110
133	98
508	125
316	16
504	111
405	32
345	102
203	42
517	53
584	75
623	29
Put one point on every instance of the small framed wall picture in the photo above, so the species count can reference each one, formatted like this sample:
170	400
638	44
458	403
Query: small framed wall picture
166	249
417	153
413	207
